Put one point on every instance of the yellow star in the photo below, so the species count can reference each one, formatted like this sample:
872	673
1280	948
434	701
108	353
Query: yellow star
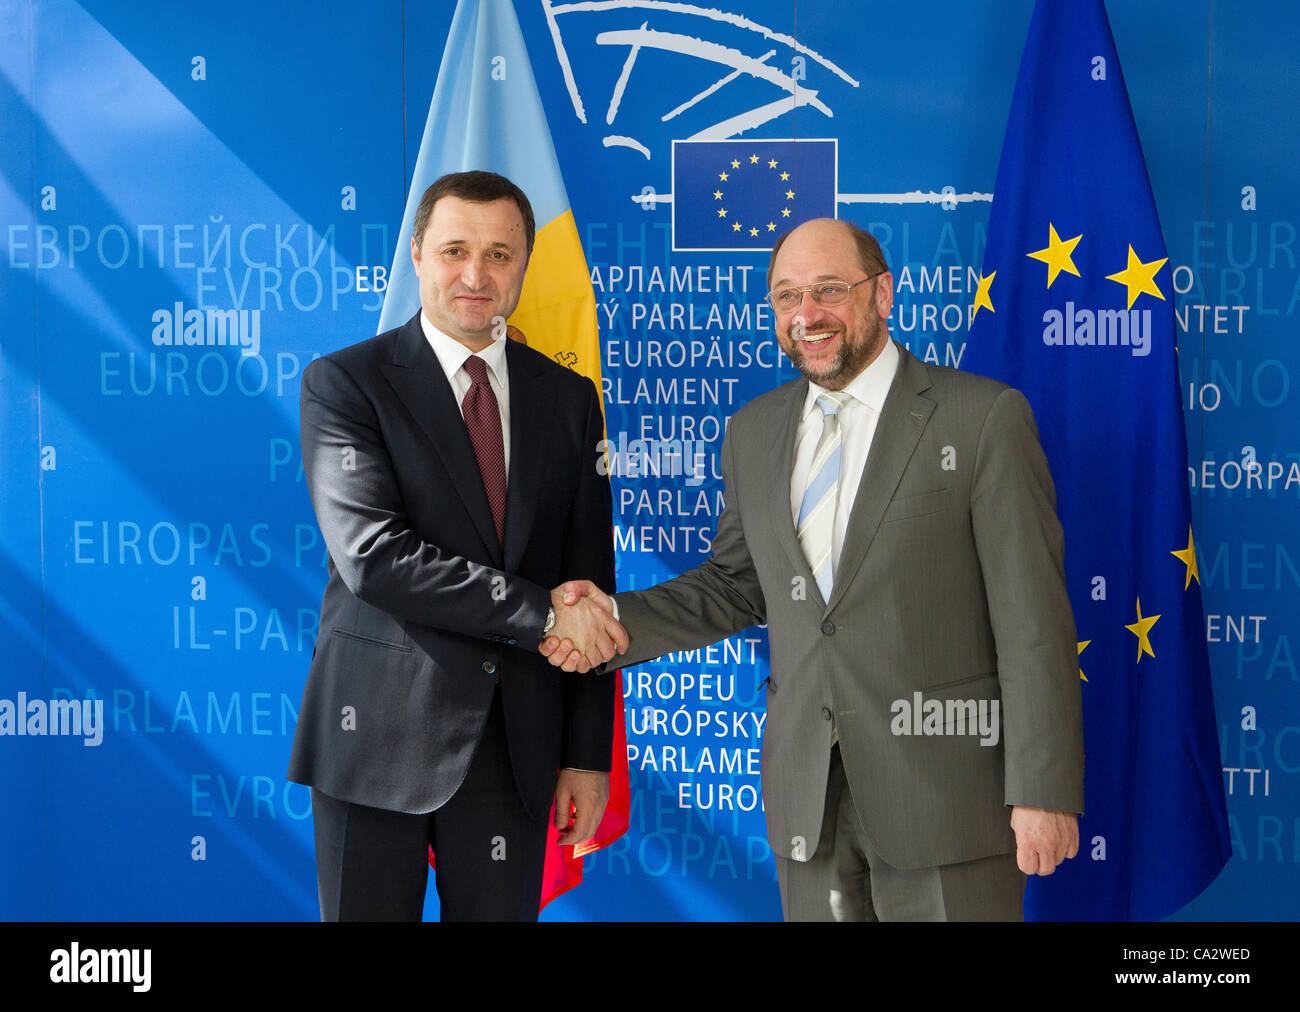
753	159
771	163
982	300
1082	647
771	226
785	212
1138	277
722	212
717	194
1057	254
735	227
789	194
1188	558
785	175
1142	629
722	176
735	163
753	231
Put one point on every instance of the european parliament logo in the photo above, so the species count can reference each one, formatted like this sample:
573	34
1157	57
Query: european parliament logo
738	195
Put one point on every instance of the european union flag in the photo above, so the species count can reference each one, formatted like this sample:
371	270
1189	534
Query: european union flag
741	195
1073	308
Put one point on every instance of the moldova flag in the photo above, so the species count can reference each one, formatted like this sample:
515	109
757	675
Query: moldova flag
487	114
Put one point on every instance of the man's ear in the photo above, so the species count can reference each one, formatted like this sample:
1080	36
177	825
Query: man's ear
884	294
415	256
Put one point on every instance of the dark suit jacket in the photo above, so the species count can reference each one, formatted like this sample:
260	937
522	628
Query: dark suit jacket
424	610
950	587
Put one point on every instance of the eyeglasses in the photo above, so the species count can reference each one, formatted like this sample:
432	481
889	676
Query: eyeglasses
824	293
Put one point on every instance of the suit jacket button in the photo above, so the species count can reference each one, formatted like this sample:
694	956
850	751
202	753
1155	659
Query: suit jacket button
828	628
826	712
490	667
512	642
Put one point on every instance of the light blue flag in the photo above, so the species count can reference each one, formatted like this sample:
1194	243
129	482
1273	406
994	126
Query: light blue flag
486	114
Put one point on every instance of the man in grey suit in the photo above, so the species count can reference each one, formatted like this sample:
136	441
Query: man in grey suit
923	748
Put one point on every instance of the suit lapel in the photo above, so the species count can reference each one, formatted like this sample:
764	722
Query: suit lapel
418	380
783	436
902	420
530	403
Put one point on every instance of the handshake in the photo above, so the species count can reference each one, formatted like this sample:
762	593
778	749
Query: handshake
585	634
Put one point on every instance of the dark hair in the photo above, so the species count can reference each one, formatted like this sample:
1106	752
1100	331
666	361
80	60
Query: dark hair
869	251
479	187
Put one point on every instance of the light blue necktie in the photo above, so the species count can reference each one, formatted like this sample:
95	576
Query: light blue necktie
816	524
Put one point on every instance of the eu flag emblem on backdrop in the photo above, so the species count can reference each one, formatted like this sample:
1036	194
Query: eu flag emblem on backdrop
741	195
1074	308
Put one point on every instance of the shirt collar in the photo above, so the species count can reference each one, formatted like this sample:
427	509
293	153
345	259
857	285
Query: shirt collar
451	353
870	386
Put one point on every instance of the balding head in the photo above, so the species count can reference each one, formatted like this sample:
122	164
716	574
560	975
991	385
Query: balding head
870	256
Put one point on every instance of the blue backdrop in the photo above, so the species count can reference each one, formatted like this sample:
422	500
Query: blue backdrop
158	549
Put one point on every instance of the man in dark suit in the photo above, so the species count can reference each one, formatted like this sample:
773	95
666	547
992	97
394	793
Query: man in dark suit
428	717
894	524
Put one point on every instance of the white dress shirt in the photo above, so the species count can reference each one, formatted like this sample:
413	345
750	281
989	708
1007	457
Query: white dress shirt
451	356
858	420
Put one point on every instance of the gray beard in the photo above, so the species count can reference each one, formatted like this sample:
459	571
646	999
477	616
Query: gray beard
841	371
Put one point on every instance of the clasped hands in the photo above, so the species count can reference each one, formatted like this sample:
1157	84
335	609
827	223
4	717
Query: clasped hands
585	634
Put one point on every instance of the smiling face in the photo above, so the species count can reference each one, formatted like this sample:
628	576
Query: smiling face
830	344
471	265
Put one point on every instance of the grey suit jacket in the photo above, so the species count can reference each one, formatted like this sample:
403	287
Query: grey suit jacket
950	586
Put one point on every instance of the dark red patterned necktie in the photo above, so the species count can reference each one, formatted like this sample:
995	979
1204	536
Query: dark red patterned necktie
483	420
